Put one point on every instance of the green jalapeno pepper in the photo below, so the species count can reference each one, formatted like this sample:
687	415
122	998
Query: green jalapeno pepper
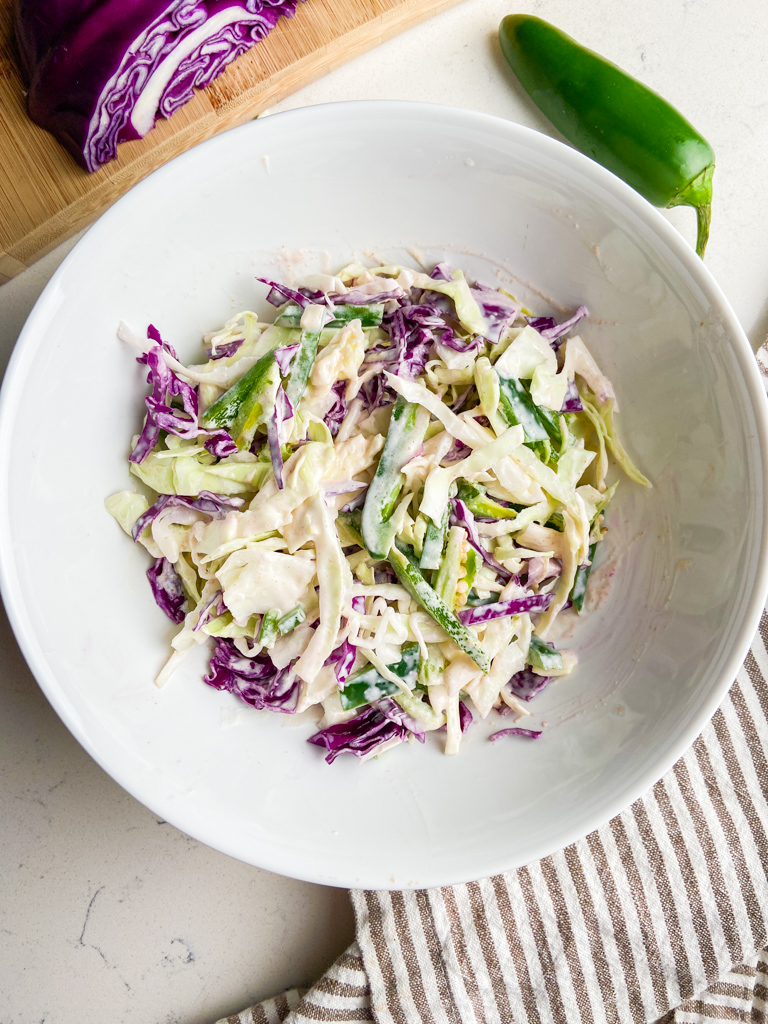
291	620
434	542
404	438
613	118
544	655
579	589
269	628
410	577
367	684
517	406
479	504
303	362
369	316
247	402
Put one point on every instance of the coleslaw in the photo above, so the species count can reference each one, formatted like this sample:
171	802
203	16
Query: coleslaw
378	503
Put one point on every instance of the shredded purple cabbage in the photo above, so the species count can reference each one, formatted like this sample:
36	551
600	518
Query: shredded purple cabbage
210	610
342	659
358	297
344	487
499	310
540	569
442	272
392	710
527	684
458	452
284	357
532	734
335	415
373	393
360	735
384	574
542	323
549	329
255	680
167	589
466	717
166	386
356	502
224	351
214	505
278	294
220	444
572	401
281	411
515	606
412	330
462	516
154	335
461	401
275	452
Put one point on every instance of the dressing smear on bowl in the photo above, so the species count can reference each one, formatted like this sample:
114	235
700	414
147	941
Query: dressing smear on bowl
378	503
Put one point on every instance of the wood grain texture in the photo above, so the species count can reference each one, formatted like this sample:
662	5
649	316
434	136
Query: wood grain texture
45	196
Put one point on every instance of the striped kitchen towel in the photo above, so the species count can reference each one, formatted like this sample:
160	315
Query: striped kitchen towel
660	915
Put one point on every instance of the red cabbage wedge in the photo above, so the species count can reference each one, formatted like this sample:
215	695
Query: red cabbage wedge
101	71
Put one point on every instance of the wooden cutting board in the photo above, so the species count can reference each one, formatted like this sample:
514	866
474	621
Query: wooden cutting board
45	196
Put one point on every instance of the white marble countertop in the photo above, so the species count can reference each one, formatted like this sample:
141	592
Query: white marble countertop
107	913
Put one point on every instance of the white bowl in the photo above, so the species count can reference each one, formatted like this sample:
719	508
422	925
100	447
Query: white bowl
680	588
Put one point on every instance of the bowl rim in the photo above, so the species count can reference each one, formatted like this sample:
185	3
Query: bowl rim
16	377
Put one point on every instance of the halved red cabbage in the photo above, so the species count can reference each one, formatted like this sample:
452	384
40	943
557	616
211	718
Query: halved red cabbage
214	505
515	606
360	735
255	680
527	684
102	72
530	733
167	589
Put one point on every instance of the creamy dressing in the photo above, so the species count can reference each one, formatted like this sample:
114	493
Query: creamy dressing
314	318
